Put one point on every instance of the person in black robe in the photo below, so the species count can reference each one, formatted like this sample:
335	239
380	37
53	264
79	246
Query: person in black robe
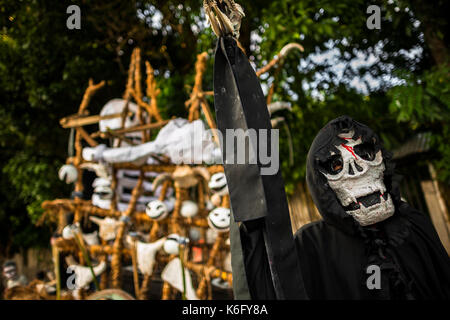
364	229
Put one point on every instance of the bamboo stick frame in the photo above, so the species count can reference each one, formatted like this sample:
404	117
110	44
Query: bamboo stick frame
118	242
174	223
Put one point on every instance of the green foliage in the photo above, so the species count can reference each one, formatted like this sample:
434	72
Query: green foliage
423	103
423	99
44	70
323	25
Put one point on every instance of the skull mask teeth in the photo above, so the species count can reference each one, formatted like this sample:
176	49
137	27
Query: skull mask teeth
355	174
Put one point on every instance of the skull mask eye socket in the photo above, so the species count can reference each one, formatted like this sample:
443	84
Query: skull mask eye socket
333	165
366	151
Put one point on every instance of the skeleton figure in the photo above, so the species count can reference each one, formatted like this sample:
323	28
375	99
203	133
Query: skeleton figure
355	174
127	180
180	140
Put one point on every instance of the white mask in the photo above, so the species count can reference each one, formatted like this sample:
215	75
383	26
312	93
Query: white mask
157	210
355	174
219	219
218	184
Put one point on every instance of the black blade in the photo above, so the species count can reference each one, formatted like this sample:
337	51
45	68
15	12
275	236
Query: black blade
240	104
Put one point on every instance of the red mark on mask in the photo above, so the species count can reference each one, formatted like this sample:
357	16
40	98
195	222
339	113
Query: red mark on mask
349	149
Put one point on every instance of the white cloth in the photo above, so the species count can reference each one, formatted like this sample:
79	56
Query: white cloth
90	238
187	142
130	154
172	274
93	153
108	227
146	255
83	275
182	141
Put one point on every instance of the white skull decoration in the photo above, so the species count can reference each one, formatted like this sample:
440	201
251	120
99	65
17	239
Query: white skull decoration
102	193
188	209
68	231
157	210
218	184
172	243
68	173
356	177
219	219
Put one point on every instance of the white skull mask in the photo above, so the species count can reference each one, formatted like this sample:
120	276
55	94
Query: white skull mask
102	193
68	173
355	174
172	243
219	219
218	184
157	210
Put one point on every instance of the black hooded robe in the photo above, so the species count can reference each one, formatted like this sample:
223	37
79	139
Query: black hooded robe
335	252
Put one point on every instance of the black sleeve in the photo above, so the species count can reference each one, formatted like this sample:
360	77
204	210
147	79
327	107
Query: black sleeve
257	269
434	282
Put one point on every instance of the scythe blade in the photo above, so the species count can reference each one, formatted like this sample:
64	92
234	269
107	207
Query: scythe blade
240	104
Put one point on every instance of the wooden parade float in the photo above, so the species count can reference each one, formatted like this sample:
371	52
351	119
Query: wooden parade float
154	222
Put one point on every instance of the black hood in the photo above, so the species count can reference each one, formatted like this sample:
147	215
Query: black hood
323	196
